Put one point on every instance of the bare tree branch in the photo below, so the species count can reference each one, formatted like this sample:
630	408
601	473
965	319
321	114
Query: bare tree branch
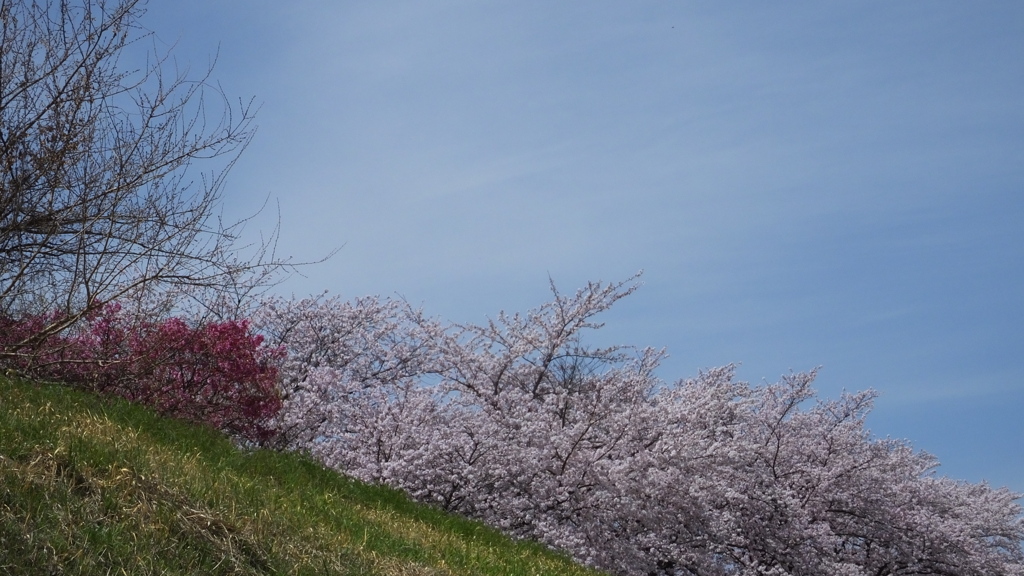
99	198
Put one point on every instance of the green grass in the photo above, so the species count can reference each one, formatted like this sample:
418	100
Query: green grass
90	485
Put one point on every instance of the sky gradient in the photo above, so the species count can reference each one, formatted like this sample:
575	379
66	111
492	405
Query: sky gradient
837	185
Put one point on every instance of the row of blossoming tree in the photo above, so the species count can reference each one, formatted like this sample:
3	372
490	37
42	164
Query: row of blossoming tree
521	424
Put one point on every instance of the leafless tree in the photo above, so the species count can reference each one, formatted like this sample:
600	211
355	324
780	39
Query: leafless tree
100	131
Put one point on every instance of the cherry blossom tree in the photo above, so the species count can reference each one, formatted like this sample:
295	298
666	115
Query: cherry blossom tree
768	480
346	361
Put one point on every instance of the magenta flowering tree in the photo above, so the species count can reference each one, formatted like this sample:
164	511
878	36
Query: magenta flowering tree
518	422
217	373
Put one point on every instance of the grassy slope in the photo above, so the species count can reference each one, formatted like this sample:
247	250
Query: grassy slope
94	486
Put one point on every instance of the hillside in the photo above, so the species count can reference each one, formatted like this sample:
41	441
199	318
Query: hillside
97	486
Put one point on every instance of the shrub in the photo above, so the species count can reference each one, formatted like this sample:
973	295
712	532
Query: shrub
218	373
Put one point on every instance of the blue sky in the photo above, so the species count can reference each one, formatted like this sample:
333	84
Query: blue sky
804	184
